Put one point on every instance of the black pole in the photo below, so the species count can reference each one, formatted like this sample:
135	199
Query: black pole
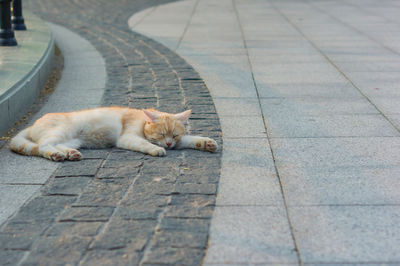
17	18
7	37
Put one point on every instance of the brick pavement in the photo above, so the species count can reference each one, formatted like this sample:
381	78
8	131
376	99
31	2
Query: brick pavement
120	207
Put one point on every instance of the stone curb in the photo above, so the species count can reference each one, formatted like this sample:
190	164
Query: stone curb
23	87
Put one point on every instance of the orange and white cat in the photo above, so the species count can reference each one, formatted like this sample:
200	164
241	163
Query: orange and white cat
57	136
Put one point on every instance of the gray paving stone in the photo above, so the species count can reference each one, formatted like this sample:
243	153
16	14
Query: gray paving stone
83	168
248	174
16	242
13	197
111	257
189	188
395	119
86	214
94	154
74	228
23	169
186	224
11	257
237	106
347	234
250	235
123	172
317	117
123	233
174	256
190	206
42	208
329	126
301	90
250	126
248	186
318	106
59	250
387	104
72	185
180	239
338	170
103	192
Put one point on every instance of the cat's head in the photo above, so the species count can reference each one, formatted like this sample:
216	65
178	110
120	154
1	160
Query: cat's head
164	129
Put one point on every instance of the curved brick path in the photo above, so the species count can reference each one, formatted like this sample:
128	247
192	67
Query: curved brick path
119	207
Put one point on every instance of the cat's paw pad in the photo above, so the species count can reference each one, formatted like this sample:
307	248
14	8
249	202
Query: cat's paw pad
158	151
56	156
74	155
210	145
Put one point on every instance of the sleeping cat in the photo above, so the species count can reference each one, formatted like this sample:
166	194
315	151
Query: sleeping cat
57	136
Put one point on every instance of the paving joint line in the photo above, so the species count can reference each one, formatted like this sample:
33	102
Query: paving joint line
187	25
285	202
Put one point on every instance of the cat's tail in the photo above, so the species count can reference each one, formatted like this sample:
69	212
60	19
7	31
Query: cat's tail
23	145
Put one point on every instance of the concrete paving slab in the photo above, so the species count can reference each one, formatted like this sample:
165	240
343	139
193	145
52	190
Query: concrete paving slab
12	197
23	169
347	234
316	90
263	67
239	85
231	242
338	170
324	117
248	186
379	152
395	119
188	51
237	106
299	77
314	126
340	185
248	174
319	105
250	127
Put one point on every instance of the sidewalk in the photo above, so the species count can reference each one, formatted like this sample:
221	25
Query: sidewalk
307	96
307	93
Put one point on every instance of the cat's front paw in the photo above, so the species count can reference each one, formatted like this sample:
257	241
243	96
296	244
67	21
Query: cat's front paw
157	151
207	144
211	145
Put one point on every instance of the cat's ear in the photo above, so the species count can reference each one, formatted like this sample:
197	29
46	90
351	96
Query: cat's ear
183	117
151	116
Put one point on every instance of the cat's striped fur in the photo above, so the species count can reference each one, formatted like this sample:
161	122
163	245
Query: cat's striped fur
57	136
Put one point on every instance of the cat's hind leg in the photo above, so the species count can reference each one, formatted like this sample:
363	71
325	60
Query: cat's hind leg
136	143
70	149
47	147
197	143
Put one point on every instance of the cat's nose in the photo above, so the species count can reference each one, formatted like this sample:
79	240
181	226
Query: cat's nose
169	144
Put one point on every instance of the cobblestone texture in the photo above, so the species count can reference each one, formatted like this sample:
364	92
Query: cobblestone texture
119	207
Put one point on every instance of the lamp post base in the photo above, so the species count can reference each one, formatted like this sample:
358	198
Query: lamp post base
18	23
7	38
